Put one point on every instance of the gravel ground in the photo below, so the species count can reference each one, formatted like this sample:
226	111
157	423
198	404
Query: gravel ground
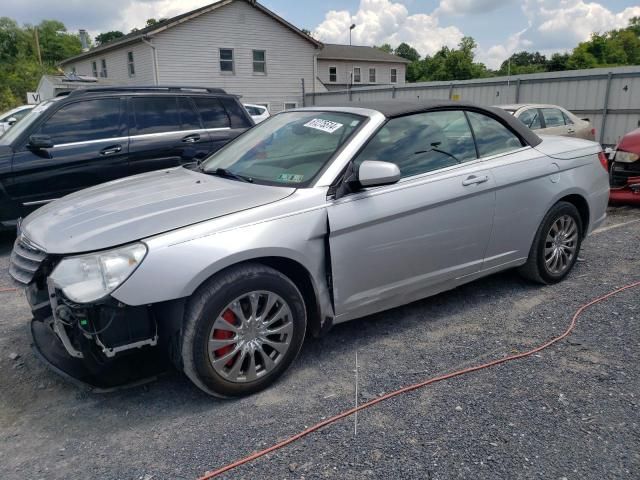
570	412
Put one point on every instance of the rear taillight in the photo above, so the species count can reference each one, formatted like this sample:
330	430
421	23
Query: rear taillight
593	132
604	161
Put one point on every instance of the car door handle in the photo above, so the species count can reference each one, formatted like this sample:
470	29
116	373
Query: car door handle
111	150
473	180
191	138
571	130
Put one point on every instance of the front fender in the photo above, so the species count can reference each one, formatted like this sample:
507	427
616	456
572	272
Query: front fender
176	270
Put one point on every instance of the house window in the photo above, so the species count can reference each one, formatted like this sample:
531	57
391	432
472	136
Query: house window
333	74
103	68
372	75
259	61
394	75
290	105
130	66
226	60
94	69
357	77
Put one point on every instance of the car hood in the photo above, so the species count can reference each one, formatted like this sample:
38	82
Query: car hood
630	142
136	207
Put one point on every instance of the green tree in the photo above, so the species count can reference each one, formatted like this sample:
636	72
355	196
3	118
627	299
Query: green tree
405	50
108	37
385	47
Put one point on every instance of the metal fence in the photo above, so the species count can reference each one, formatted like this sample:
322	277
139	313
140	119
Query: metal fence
610	98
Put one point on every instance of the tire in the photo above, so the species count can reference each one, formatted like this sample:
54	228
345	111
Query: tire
537	268
227	345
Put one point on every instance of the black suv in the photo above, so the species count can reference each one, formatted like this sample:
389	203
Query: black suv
94	135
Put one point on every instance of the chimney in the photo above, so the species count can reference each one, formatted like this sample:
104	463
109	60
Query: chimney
84	39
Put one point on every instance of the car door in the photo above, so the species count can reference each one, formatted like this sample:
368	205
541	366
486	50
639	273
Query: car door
524	179
394	244
166	131
90	147
554	123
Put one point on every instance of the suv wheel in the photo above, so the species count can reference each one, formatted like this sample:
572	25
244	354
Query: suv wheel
556	245
243	329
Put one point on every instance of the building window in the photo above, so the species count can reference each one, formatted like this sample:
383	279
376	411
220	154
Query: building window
103	68
226	60
357	77
333	74
372	75
130	66
290	105
94	69
394	75
259	61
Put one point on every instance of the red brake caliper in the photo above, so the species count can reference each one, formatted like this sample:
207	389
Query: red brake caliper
228	316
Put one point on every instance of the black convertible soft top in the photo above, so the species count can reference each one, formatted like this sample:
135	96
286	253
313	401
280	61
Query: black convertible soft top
399	108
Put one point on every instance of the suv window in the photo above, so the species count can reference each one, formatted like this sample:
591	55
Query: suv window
155	114
212	112
237	114
84	121
189	119
422	142
531	118
492	137
553	117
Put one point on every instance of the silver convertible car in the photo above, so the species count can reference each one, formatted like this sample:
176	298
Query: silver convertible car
314	217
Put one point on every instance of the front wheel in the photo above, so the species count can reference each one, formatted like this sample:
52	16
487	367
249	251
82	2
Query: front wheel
556	245
242	330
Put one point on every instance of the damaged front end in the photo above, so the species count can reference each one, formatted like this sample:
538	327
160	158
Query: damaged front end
78	329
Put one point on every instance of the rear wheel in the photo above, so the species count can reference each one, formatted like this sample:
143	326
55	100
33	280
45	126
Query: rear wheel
556	245
242	330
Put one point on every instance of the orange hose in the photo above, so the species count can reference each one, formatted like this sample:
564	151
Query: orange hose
410	388
8	290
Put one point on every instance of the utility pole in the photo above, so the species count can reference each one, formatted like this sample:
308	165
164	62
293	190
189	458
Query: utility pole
35	31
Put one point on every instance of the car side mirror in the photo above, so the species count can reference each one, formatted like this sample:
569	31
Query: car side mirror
11	120
40	142
373	173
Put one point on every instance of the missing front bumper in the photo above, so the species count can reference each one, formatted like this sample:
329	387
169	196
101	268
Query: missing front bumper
133	369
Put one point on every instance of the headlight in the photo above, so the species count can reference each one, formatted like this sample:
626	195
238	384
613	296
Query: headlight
86	278
626	157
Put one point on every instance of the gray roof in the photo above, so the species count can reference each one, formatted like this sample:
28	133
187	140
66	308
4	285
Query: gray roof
146	32
333	51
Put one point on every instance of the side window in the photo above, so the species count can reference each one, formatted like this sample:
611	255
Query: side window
212	112
237	114
226	60
188	116
84	121
422	142
567	119
492	137
156	114
552	117
357	77
19	114
531	118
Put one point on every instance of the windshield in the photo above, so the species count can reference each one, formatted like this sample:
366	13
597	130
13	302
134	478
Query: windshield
287	149
16	130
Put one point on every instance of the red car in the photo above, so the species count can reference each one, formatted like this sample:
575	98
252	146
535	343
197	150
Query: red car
625	170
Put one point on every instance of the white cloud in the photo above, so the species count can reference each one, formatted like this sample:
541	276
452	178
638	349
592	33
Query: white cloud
463	7
557	26
385	21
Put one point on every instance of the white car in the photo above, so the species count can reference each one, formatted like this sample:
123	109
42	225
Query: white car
12	116
259	113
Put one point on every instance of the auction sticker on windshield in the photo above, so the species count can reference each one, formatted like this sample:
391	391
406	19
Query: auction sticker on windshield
323	125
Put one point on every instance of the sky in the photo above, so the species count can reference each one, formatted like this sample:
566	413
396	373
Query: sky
500	27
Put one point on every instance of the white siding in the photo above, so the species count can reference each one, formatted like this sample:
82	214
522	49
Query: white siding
117	70
189	54
345	67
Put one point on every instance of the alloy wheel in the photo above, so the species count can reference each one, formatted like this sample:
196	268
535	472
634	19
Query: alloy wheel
560	245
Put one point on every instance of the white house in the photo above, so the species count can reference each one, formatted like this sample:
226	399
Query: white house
344	66
238	45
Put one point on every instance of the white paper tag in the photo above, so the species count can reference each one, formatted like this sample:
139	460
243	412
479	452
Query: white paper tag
323	125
